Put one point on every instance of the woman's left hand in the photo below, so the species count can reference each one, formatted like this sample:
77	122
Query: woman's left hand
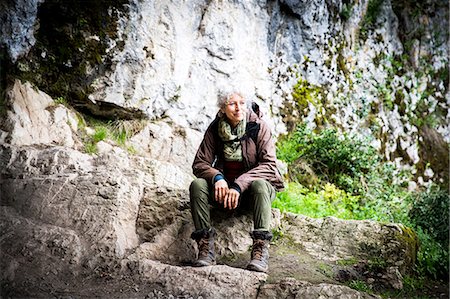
231	199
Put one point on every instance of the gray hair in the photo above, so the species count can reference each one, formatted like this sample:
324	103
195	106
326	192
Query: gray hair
224	96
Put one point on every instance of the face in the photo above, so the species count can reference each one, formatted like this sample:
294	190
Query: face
235	109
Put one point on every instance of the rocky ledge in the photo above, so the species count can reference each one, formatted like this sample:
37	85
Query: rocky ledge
115	224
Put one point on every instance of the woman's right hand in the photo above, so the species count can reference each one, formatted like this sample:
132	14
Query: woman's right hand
220	190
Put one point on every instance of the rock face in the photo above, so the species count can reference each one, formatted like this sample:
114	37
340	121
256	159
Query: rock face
35	118
119	225
18	26
169	60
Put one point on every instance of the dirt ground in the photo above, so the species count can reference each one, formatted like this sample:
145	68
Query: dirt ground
286	261
290	260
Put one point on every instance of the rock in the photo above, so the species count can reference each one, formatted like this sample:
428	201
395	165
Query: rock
189	51
34	118
103	147
96	202
291	288
394	278
98	212
204	282
29	245
434	150
67	217
19	19
165	224
173	144
332	239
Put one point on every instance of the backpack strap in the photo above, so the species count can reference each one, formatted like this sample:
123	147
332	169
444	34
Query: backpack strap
252	131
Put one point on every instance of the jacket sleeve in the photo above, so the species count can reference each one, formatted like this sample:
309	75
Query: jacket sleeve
203	161
266	167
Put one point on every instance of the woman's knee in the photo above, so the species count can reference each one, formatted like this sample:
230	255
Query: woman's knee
198	183
198	188
260	186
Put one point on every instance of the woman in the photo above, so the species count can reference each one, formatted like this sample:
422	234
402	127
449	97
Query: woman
235	164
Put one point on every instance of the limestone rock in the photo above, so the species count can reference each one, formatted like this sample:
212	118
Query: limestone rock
35	246
98	204
66	215
34	118
98	212
173	144
18	24
168	61
333	239
205	282
291	288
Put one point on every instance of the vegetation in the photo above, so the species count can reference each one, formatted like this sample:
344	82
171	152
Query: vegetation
430	216
335	174
118	132
61	101
368	23
359	285
337	159
346	11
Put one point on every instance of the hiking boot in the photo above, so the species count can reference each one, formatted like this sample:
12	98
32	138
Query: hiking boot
205	244
260	251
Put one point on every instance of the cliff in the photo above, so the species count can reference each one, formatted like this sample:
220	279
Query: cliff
85	216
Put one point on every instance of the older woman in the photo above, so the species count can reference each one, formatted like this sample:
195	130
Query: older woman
235	165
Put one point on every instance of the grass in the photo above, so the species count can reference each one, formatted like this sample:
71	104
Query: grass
61	101
329	201
117	132
360	285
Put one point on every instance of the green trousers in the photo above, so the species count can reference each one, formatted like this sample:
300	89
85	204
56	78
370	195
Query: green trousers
258	198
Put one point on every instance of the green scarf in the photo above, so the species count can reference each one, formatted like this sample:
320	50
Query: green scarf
232	149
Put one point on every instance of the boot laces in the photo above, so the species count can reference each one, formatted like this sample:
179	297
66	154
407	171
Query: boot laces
257	250
203	247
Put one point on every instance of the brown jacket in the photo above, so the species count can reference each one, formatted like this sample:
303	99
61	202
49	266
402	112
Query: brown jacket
259	158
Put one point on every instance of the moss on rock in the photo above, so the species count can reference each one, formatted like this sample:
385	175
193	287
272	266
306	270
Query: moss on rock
70	50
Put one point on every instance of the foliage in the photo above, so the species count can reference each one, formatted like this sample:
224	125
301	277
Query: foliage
430	211
430	216
433	257
90	147
353	183
346	12
339	159
304	93
330	201
413	288
368	23
61	101
100	134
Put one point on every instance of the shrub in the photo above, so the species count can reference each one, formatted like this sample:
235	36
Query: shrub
430	212
432	257
429	215
100	134
335	158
